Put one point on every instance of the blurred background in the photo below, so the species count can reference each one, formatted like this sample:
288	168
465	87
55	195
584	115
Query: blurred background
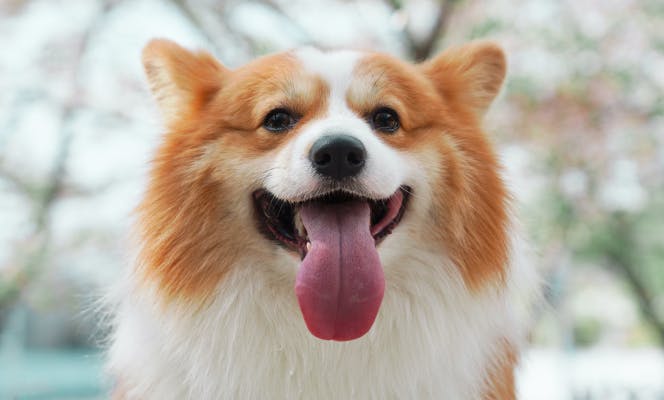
579	126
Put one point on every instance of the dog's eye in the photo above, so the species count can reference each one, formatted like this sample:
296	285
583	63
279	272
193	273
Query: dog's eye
279	120
385	120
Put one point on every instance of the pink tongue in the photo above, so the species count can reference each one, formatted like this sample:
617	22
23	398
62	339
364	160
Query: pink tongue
340	283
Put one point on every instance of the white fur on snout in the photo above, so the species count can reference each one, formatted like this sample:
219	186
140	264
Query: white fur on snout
292	176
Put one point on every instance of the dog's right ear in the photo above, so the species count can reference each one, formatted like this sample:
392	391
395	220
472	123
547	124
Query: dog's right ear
181	81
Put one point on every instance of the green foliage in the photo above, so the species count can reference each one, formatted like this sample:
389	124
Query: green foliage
586	332
489	27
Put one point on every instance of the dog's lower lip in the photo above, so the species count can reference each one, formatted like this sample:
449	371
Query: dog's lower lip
276	218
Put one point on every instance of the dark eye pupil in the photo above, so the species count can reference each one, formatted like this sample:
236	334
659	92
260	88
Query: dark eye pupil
386	120
278	121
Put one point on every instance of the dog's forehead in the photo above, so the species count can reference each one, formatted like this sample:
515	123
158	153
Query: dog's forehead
335	68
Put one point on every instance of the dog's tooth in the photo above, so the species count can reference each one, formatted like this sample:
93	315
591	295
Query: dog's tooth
299	225
308	245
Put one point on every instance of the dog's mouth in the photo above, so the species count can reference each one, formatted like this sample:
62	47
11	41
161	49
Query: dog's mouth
280	221
340	281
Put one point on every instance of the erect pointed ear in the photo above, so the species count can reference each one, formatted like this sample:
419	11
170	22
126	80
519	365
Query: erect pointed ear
471	74
181	81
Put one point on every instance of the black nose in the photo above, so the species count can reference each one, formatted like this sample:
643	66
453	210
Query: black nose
338	156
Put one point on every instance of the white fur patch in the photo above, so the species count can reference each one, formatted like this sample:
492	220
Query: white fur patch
336	69
432	338
291	175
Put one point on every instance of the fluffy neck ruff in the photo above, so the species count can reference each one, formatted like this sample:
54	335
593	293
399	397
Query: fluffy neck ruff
432	337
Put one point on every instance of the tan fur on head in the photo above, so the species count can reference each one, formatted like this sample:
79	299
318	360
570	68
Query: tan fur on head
182	81
470	75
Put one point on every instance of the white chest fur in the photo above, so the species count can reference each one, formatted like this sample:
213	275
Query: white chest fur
432	339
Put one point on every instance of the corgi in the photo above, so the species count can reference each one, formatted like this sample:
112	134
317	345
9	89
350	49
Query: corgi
322	225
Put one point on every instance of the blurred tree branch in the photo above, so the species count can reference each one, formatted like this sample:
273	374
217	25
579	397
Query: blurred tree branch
276	7
189	13
12	287
419	49
422	49
17	182
195	20
622	257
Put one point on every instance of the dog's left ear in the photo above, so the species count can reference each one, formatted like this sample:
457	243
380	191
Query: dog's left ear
182	81
471	74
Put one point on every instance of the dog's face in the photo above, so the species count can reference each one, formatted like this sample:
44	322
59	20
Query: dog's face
309	161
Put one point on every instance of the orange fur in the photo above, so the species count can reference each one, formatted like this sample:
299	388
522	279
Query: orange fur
468	77
181	81
188	253
471	211
500	383
255	89
224	110
190	236
472	207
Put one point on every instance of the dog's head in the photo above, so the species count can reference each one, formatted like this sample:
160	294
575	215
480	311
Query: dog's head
315	158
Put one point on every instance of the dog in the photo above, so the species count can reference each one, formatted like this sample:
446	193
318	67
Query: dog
323	225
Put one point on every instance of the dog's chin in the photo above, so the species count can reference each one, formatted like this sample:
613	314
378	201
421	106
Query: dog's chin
279	220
